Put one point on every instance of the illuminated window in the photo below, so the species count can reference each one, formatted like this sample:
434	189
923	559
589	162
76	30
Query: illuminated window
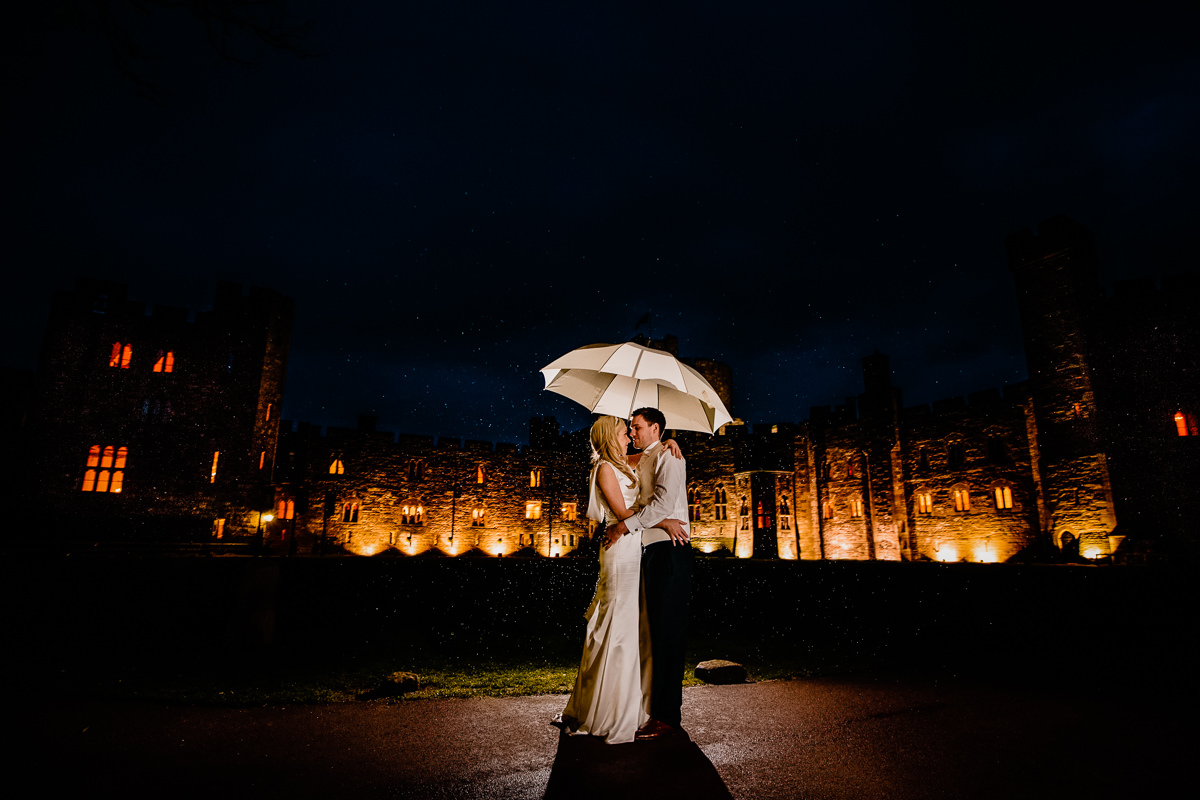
165	362
114	360
479	519
1003	495
856	507
961	499
269	405
350	511
763	518
479	476
413	514
693	504
850	466
720	504
744	514
570	512
111	476
126	356
785	514
1185	424
827	509
216	457
336	467
219	528
533	509
262	459
535	478
291	509
924	503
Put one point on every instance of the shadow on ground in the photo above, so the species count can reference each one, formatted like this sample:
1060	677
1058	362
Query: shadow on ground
586	767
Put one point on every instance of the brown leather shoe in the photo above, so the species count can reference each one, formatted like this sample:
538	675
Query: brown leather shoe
653	730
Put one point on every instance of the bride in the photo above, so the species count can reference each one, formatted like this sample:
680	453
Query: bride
612	691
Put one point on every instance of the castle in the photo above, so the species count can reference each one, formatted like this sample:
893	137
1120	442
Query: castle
174	423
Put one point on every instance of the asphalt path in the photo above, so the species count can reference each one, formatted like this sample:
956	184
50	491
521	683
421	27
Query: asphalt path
823	738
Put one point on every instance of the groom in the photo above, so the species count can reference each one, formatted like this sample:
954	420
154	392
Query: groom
666	566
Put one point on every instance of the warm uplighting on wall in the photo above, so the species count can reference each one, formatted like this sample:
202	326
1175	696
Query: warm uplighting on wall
1091	552
708	547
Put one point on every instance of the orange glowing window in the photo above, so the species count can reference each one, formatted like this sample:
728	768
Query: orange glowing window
126	356
212	478
479	476
268	412
850	466
570	512
219	528
111	475
106	460
94	456
924	503
535	478
89	480
285	509
856	507
262	458
102	480
962	499
1003	498
122	454
118	479
533	509
1185	424
336	467
114	360
419	515
479	520
165	362
350	512
827	509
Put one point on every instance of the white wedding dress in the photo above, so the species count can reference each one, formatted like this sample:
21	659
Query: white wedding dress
612	691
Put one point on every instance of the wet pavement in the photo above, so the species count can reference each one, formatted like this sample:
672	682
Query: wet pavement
852	737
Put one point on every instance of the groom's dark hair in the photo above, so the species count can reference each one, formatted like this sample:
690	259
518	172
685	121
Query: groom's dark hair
654	417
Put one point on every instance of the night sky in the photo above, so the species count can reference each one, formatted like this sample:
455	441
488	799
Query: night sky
457	193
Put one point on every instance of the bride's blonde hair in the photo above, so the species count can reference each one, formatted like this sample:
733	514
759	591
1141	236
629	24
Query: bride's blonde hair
605	446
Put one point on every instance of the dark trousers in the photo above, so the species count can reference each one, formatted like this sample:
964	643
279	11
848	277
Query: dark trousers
667	575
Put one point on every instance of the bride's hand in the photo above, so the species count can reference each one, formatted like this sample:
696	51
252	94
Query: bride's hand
673	448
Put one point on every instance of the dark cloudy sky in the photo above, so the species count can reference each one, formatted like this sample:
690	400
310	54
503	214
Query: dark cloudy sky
457	193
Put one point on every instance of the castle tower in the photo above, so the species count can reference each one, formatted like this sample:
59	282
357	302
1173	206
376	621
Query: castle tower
1058	296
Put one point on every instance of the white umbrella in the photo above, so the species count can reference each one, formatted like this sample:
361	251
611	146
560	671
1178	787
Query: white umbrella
617	379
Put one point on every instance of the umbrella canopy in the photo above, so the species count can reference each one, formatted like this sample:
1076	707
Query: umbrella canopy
616	379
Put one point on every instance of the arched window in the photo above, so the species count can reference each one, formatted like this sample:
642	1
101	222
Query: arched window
89	480
720	504
165	361
851	466
1002	494
118	481
336	467
693	504
744	513
535	478
924	503
763	518
479	519
111	475
856	507
102	480
961	498
479	474
126	356
827	509
114	359
1185	424
94	456
350	511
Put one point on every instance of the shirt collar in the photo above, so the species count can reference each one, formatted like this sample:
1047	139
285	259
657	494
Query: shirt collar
650	447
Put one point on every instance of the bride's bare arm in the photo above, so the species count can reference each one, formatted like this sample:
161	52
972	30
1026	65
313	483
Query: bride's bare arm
607	478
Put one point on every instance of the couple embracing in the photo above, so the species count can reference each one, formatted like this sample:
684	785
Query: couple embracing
630	677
